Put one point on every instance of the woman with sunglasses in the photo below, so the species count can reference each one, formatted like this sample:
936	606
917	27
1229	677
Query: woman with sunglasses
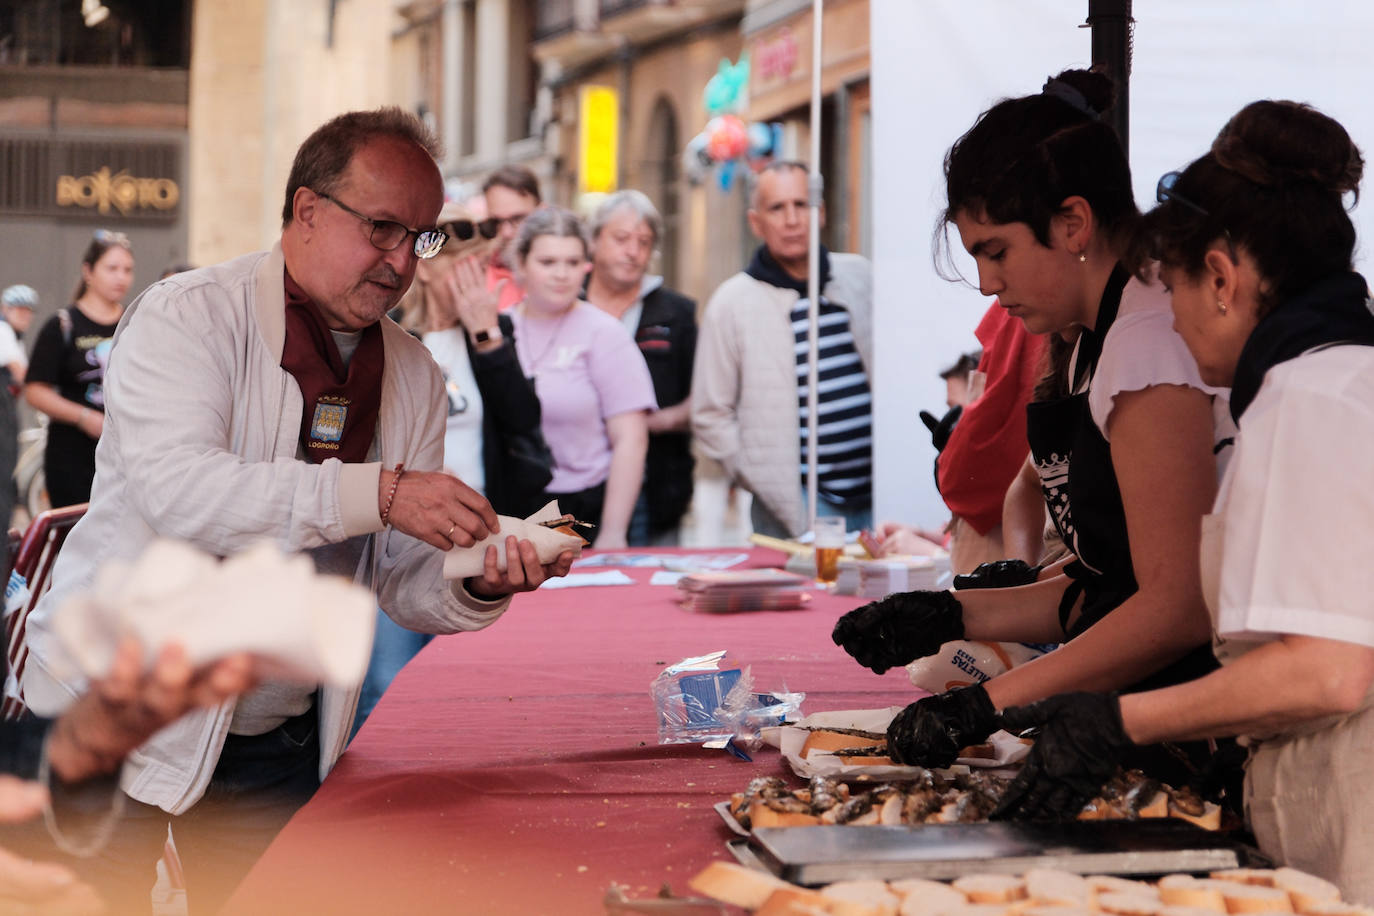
67	370
1256	246
492	440
492	407
1040	193
594	387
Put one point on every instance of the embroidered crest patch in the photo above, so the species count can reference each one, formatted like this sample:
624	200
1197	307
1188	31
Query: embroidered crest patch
328	423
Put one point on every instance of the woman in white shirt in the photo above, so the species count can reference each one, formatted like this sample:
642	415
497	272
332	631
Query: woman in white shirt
1257	248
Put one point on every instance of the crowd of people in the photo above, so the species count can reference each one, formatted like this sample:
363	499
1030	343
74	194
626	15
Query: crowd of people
1144	463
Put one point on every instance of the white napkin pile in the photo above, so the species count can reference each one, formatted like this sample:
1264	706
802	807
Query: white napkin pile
463	562
301	626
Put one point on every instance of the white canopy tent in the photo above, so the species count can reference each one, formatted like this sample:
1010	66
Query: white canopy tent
938	63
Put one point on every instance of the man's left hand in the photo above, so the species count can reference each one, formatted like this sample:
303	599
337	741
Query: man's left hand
932	731
1080	741
523	572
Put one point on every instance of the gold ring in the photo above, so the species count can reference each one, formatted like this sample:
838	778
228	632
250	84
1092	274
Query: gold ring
450	531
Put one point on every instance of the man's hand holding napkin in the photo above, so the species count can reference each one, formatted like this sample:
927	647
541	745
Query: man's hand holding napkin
540	552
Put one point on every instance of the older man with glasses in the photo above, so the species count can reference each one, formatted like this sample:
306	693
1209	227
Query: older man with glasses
270	397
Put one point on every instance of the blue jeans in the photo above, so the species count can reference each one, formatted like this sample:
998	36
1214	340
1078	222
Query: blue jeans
392	648
640	534
766	522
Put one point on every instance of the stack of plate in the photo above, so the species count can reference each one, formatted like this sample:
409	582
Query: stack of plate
744	590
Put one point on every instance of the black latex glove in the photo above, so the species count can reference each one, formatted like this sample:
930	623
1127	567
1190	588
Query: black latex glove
1079	746
998	574
940	429
931	732
900	628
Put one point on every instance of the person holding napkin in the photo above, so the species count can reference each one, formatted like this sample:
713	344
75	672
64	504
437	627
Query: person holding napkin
269	397
1257	248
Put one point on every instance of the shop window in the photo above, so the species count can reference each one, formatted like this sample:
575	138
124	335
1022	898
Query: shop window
101	33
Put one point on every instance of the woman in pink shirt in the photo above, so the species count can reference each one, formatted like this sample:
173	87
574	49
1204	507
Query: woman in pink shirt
593	386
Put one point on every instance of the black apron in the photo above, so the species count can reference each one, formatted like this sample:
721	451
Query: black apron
1078	480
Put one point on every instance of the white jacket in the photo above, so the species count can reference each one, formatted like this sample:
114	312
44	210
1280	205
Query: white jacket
202	430
744	383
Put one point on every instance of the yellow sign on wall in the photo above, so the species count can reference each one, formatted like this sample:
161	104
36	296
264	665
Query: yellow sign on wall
599	139
121	190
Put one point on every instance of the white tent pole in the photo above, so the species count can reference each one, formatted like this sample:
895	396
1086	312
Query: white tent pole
816	188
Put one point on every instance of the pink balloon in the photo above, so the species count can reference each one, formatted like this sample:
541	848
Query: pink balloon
726	138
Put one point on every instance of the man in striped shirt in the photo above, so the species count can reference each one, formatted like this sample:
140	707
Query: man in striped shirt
750	393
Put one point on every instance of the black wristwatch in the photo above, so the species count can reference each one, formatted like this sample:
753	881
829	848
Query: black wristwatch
488	335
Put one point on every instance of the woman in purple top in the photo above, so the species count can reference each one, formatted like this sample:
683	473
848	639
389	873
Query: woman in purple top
593	385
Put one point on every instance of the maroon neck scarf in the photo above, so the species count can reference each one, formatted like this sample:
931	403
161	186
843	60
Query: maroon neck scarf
341	405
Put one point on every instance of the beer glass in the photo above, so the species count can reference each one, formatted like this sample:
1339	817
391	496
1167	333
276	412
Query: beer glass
829	531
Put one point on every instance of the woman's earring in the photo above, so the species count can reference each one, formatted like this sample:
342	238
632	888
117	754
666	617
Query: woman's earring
1221	306
1082	257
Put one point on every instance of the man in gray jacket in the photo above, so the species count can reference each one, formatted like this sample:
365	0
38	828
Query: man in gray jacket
270	397
749	390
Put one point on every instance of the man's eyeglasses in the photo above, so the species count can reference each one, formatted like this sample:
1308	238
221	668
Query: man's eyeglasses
387	235
464	229
1164	192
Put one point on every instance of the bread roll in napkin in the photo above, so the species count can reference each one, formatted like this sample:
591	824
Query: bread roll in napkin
301	626
462	562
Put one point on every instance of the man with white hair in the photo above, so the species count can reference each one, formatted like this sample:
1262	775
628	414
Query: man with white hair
626	230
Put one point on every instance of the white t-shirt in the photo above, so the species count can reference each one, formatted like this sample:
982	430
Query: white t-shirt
1143	349
1290	524
10	349
463	435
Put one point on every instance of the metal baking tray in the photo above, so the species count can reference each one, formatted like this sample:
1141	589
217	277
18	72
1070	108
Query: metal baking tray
822	854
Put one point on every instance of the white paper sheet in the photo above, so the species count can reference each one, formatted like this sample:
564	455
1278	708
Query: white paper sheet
586	580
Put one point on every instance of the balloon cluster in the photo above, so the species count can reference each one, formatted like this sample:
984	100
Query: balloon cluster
727	141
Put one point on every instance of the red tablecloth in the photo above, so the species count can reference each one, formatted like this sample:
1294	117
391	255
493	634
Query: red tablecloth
517	770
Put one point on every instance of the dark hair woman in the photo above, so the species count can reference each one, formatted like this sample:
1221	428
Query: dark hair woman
1256	245
1040	194
67	371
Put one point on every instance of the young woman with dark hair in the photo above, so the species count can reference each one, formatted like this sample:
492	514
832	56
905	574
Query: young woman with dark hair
66	374
1040	194
1256	245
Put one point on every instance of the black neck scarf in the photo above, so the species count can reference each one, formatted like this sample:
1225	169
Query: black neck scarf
341	405
765	268
1334	310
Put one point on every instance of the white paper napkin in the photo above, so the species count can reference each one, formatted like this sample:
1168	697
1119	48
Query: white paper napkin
463	562
587	580
301	626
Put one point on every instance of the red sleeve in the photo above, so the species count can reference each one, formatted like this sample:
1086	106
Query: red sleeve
988	446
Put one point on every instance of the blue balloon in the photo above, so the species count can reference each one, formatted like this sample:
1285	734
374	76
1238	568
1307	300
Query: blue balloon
726	175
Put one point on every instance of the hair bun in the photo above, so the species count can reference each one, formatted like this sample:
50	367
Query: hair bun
1277	144
1096	88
